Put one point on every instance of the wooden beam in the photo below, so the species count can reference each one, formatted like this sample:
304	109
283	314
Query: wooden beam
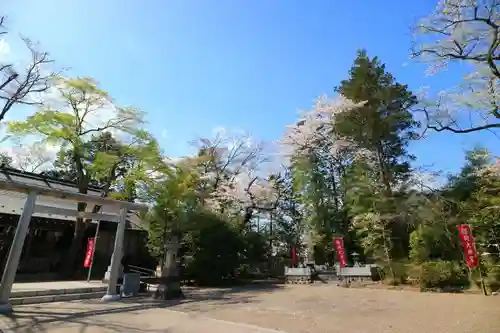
75	213
10	185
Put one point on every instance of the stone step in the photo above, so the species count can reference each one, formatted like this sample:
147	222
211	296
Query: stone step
56	298
55	292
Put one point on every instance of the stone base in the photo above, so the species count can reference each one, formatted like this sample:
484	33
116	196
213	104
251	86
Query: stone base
298	279
110	297
169	291
5	308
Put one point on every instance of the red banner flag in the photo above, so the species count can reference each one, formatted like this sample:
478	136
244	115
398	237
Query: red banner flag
88	254
468	245
338	244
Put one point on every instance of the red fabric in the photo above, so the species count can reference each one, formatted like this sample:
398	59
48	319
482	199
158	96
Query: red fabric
88	254
338	245
470	253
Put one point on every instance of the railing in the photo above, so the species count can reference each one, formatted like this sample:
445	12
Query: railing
142	271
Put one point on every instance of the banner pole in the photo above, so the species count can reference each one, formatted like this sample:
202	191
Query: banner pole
483	286
477	262
93	250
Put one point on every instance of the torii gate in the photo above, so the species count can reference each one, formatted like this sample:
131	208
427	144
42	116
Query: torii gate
30	207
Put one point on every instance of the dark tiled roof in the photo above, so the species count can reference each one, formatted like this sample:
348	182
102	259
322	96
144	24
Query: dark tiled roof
13	202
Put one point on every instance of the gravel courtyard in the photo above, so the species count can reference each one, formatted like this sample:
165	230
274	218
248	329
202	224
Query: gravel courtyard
259	309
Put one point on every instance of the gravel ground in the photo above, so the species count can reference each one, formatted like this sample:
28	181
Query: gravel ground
291	309
328	309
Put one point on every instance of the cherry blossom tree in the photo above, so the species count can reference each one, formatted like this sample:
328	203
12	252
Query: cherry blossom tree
462	32
318	156
77	111
314	130
232	172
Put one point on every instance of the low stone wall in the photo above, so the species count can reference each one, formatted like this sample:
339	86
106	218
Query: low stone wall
298	275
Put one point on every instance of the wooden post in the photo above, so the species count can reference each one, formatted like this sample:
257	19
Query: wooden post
483	286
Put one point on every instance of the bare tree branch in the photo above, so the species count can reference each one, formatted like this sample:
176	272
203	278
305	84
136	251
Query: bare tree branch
22	86
440	127
463	31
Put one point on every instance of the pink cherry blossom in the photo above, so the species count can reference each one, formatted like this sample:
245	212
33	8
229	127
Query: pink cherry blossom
315	129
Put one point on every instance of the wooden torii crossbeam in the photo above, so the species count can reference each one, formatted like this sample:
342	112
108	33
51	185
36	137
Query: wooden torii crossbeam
30	207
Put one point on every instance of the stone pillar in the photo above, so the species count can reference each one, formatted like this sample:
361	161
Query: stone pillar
9	273
111	294
170	283
310	247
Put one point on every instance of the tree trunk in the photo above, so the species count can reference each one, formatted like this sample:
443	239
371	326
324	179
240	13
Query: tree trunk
81	225
69	267
82	182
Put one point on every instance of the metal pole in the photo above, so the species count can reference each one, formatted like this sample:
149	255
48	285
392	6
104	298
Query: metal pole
93	250
111	294
9	273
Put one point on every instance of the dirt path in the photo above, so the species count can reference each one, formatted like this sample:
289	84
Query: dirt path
291	309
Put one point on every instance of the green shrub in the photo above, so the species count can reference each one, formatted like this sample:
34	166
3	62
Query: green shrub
400	270
439	274
491	275
214	249
492	280
218	253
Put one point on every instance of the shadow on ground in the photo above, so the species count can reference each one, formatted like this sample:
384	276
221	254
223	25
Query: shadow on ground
43	317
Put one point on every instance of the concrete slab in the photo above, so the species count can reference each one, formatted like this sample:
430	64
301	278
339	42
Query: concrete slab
57	291
55	298
97	317
55	285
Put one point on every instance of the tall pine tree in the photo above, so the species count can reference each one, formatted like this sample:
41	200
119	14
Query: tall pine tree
384	125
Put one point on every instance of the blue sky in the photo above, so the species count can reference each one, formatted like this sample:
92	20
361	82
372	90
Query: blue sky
196	65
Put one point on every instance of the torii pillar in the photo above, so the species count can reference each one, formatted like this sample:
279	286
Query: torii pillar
111	293
9	273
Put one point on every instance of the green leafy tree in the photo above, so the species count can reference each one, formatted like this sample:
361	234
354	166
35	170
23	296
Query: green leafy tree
460	187
6	160
482	213
80	110
174	199
383	126
318	159
214	250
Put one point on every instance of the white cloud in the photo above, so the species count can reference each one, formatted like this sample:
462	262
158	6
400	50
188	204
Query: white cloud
427	180
31	157
164	134
4	49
